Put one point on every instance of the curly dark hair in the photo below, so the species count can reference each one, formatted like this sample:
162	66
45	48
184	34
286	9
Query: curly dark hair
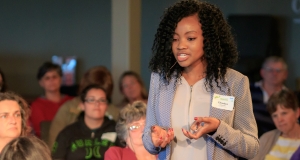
220	51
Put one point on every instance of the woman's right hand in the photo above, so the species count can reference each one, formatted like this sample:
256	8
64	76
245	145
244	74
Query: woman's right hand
161	137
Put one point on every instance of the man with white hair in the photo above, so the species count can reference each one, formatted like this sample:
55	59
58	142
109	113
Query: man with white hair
274	73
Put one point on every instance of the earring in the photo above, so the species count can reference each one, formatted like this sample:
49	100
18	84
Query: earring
168	74
173	65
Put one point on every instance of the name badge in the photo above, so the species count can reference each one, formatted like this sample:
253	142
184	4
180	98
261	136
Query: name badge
223	102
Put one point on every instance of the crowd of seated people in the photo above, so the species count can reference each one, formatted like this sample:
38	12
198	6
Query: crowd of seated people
282	142
69	111
274	73
271	99
65	112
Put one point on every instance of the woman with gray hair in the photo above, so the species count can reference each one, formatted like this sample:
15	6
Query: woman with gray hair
130	127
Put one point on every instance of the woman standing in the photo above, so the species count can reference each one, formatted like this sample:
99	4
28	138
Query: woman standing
198	108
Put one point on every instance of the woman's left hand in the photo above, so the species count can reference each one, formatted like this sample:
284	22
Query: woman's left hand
201	126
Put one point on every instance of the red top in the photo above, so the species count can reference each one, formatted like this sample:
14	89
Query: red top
118	153
44	110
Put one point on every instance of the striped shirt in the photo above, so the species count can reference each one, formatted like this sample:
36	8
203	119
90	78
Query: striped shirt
283	149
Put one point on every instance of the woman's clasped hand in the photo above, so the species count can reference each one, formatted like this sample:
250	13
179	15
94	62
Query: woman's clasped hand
161	136
201	126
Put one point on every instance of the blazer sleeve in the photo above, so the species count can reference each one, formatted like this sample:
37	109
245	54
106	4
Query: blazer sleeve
241	138
151	115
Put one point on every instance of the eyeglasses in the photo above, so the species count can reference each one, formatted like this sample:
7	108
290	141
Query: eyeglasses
94	101
136	126
277	70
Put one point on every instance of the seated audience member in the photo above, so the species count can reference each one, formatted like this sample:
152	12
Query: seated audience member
26	148
14	112
273	73
296	155
129	129
282	142
69	111
2	82
92	134
45	107
132	87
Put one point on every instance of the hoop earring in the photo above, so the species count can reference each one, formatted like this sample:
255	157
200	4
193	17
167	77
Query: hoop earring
173	65
168	74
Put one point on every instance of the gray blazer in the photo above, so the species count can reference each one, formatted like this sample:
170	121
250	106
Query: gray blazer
236	135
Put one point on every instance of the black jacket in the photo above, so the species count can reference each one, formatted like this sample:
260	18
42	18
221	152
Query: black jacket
78	142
